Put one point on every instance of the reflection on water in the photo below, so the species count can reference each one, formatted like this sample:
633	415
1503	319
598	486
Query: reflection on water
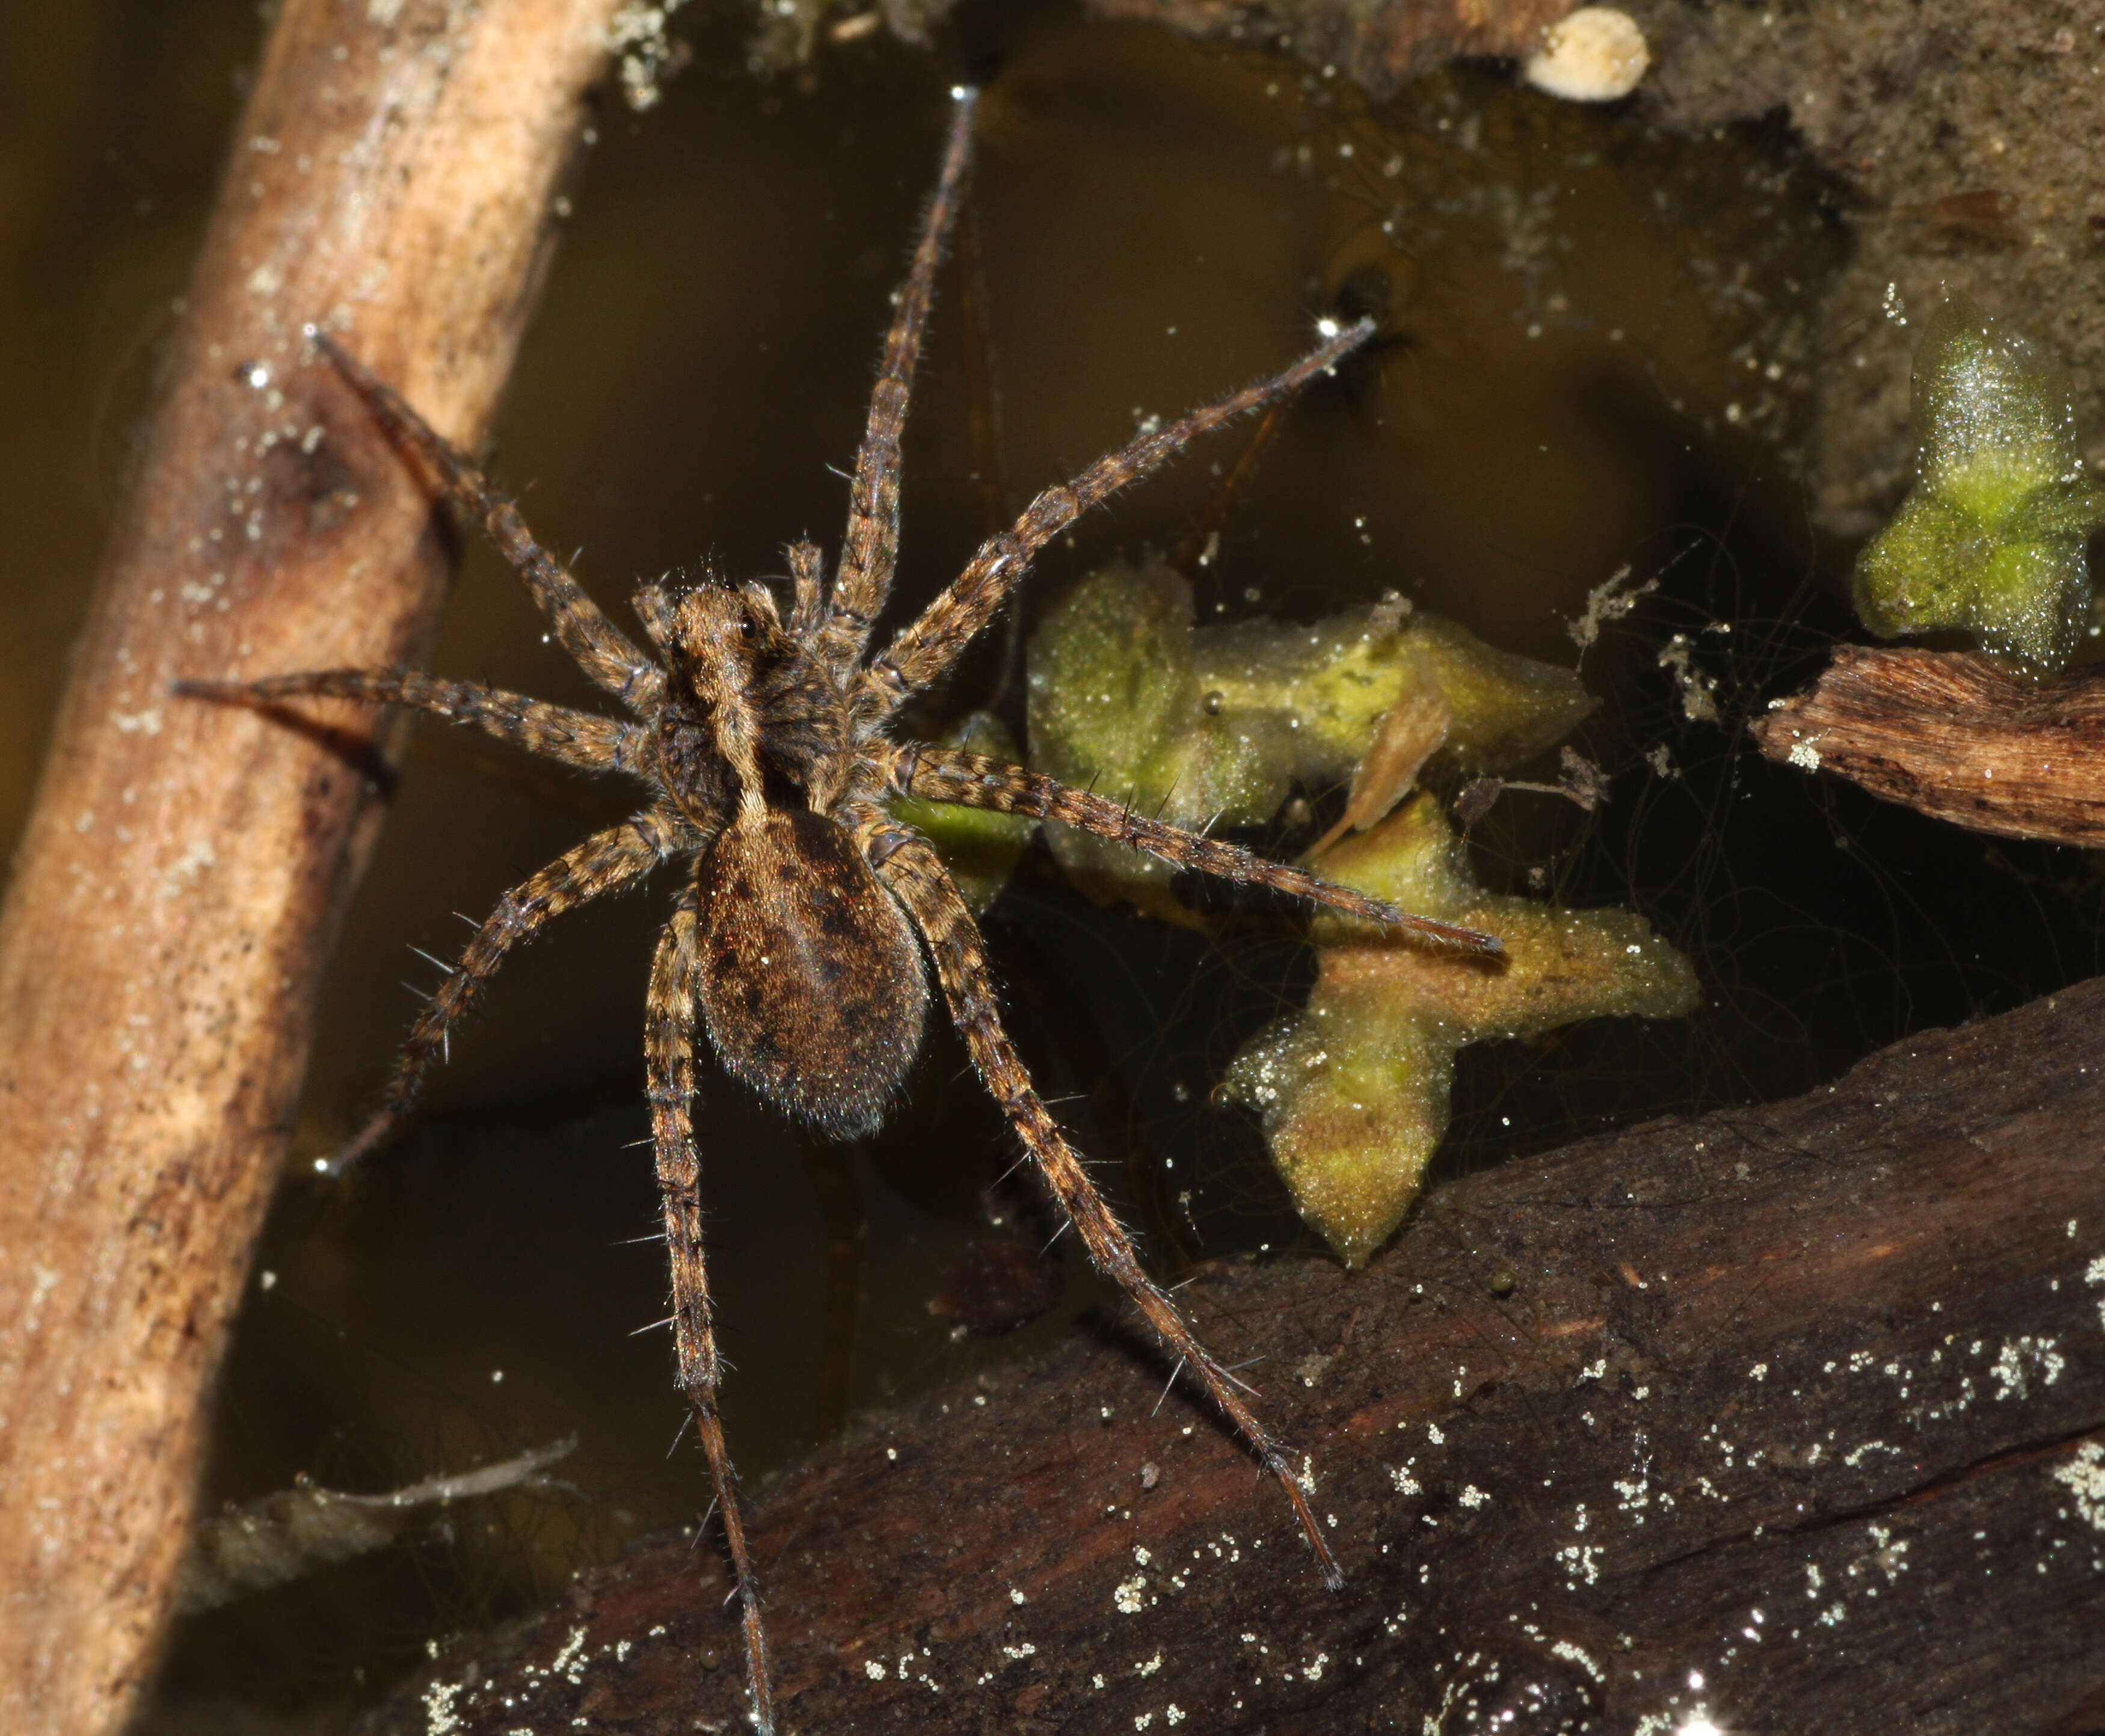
1600	356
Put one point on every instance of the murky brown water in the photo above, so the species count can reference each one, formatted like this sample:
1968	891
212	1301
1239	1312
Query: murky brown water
1603	362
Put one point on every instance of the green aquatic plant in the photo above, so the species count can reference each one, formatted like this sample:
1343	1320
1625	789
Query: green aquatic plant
978	846
1219	724
1214	726
1989	541
1354	1089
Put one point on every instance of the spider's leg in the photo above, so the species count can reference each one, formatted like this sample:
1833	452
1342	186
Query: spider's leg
808	574
602	650
935	774
918	880
605	862
669	1058
576	738
924	649
872	543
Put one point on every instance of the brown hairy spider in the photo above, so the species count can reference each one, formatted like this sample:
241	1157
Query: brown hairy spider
799	933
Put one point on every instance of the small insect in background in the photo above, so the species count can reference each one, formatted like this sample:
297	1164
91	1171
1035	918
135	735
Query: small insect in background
808	915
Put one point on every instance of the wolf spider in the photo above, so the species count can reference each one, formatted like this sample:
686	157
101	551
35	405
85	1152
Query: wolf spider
763	739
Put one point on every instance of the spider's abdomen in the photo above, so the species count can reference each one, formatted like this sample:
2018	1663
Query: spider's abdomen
812	987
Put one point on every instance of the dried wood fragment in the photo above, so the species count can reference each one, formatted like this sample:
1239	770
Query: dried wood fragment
1788	1418
1950	735
184	869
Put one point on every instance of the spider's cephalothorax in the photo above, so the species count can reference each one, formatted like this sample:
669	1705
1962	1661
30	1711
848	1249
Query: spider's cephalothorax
809	916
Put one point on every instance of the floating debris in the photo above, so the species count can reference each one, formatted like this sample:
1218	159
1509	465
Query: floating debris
263	1543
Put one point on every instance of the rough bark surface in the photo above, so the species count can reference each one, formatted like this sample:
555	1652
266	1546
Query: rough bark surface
1788	1418
1378	45
1953	737
182	873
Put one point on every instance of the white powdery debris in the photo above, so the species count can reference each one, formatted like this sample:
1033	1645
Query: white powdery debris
441	1720
2084	1476
2019	1359
184	869
1565	1649
636	35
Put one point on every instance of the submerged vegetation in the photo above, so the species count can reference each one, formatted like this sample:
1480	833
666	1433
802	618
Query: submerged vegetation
1215	726
1219	726
1989	541
1354	1090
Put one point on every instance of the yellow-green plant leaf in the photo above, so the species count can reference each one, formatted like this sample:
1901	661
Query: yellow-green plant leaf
1212	726
1354	1090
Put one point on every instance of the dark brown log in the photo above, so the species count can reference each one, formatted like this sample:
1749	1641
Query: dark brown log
1952	735
184	869
1784	1419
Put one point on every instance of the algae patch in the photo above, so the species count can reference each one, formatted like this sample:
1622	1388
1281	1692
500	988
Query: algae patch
1989	541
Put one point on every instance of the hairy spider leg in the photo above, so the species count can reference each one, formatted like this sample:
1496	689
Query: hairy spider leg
605	862
936	774
669	1062
870	547
574	738
602	650
907	864
923	650
807	576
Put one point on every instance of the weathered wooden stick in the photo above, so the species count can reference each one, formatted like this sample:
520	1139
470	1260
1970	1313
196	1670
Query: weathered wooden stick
1950	735
185	865
1789	1418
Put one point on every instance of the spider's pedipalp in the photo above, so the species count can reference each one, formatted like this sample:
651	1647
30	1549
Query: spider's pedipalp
910	867
934	774
601	649
923	650
871	545
573	738
669	1066
605	862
